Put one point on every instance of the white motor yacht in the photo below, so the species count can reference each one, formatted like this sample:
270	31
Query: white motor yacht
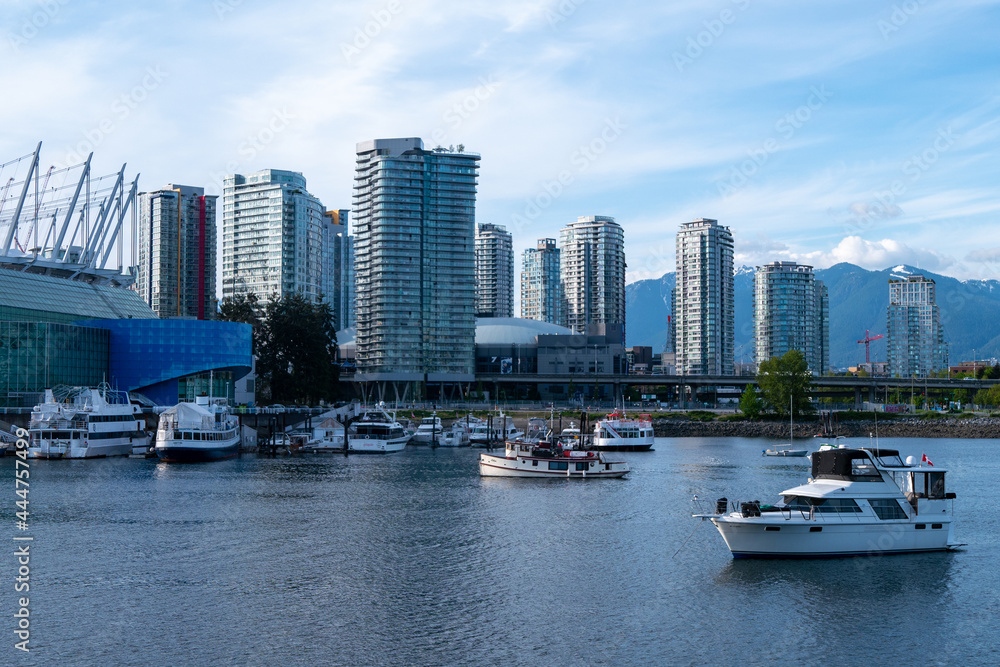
858	502
430	429
617	432
83	423
527	459
377	432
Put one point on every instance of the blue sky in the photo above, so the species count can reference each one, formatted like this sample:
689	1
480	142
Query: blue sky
820	132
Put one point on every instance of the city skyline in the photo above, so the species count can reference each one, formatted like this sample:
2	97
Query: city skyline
825	145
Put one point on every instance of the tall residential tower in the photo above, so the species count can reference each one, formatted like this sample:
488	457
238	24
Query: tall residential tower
592	268
338	267
791	312
415	264
703	302
177	243
272	236
541	285
494	271
915	340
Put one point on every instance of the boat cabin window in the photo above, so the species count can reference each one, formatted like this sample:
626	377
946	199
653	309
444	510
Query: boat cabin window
822	505
558	465
887	508
890	460
927	485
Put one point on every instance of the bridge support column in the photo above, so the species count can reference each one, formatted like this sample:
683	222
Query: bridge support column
871	393
857	398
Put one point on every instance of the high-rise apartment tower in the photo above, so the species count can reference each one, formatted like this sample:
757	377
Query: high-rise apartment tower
177	242
541	285
494	271
414	262
703	302
915	336
592	266
791	311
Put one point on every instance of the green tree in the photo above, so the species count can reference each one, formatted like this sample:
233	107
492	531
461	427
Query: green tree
243	308
298	350
783	380
751	404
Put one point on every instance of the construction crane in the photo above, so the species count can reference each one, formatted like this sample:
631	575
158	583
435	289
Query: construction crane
868	339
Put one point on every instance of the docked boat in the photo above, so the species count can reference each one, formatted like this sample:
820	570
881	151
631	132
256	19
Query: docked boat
858	502
570	436
538	430
617	432
198	432
83	423
501	428
527	459
453	436
787	450
325	437
377	432
430	429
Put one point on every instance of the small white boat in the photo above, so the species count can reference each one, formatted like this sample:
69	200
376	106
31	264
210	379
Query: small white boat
617	432
569	436
501	428
429	429
858	502
84	423
527	459
537	431
377	432
453	436
197	432
786	450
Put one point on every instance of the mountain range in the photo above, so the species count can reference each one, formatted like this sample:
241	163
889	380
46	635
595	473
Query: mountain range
859	298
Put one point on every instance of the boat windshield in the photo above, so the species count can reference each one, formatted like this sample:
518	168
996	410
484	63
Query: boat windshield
890	460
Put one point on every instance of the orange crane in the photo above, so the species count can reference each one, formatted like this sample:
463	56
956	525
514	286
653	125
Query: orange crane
868	339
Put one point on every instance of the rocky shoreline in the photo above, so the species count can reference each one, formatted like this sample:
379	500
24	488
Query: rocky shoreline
978	427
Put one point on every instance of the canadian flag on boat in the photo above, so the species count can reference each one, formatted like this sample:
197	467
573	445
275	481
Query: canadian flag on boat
926	460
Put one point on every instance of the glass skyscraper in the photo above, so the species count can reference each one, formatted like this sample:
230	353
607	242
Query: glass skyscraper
177	244
791	312
541	284
703	299
494	271
338	267
272	236
414	259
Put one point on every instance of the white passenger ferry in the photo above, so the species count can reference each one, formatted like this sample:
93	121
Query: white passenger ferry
83	423
859	502
196	432
617	432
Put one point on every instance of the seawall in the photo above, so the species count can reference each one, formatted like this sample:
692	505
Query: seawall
977	427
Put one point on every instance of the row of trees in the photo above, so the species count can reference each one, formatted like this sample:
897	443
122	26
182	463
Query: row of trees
295	343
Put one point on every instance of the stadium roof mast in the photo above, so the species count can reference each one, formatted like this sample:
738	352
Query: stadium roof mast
85	176
20	202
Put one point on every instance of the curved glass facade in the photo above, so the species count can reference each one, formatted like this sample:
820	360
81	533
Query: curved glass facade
150	356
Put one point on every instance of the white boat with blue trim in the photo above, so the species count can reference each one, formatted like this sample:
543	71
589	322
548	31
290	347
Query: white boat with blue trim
198	432
85	423
858	502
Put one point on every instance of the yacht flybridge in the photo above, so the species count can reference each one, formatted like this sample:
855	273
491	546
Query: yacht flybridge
858	502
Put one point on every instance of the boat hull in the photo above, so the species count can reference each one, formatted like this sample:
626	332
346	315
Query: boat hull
622	445
827	539
374	446
186	454
79	450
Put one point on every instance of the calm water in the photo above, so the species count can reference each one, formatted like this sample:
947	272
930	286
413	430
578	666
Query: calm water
414	559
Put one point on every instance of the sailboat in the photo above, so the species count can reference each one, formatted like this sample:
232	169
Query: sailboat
786	450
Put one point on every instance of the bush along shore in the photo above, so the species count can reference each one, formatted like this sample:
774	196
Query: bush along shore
854	426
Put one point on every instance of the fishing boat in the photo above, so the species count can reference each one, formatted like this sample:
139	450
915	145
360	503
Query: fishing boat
197	432
617	432
858	502
528	459
377	432
84	423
